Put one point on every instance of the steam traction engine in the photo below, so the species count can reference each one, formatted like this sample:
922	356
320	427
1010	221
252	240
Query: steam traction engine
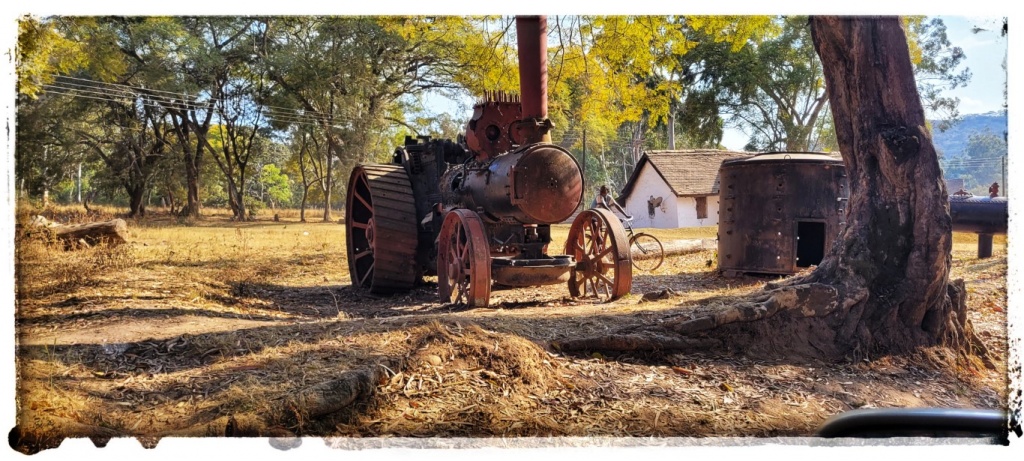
480	209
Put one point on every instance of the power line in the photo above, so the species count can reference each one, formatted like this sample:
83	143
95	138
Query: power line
109	96
114	92
194	97
178	100
111	93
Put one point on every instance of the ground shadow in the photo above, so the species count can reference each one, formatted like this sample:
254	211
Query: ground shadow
329	301
59	320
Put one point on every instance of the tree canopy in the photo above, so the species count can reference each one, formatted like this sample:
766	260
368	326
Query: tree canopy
200	99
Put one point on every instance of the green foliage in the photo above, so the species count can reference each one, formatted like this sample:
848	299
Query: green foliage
214	195
352	86
253	205
622	80
981	163
46	139
276	185
936	67
773	88
42	53
953	141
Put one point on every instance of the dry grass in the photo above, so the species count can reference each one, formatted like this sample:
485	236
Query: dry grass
199	321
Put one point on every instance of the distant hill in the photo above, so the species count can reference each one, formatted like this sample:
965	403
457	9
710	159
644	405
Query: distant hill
953	141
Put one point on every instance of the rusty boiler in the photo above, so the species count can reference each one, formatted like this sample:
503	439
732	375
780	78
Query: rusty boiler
779	212
534	184
479	209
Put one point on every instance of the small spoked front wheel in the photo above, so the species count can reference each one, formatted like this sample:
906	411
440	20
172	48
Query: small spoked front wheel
463	260
597	241
646	252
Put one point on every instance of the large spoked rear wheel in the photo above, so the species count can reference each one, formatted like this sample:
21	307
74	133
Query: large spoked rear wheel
603	269
646	252
380	225
463	260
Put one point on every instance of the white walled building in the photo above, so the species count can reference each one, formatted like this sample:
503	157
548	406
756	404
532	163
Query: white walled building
678	188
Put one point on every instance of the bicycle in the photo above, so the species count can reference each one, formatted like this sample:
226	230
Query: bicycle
649	253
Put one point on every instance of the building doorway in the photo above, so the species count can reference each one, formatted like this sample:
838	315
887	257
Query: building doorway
810	243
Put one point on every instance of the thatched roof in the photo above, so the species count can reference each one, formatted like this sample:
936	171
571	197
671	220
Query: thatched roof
687	172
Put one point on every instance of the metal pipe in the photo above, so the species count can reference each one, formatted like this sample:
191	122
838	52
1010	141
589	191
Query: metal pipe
532	40
984	215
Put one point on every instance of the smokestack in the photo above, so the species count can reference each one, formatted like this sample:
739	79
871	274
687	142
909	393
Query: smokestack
532	41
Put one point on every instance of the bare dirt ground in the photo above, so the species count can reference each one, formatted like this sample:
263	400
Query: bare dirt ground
211	327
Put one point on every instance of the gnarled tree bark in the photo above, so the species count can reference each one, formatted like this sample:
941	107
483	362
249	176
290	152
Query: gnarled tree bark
884	286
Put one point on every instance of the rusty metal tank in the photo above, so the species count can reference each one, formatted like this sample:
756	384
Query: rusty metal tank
779	212
535	184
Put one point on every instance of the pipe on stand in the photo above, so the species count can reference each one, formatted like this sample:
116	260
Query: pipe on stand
984	246
985	216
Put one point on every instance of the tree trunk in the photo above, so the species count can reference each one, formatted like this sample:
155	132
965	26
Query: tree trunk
192	187
884	285
136	198
333	150
892	265
186	125
236	202
302	206
327	199
235	199
168	200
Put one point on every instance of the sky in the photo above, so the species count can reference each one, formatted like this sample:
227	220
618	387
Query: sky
985	52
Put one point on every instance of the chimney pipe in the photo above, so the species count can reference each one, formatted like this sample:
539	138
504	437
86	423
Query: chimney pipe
532	41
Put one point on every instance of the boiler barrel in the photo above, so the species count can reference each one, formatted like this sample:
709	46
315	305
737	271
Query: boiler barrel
779	212
536	184
985	215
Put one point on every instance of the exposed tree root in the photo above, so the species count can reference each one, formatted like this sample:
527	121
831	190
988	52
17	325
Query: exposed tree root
306	404
647	341
802	319
331	396
809	300
958	332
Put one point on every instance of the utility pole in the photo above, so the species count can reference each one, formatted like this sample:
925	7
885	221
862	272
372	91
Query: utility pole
583	167
46	179
1006	187
671	128
79	182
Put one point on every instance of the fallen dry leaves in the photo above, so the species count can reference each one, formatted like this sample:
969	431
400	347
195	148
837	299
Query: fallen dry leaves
216	319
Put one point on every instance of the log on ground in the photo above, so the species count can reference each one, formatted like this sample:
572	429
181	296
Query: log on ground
114	232
331	396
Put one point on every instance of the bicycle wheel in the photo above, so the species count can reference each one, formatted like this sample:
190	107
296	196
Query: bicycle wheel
646	251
